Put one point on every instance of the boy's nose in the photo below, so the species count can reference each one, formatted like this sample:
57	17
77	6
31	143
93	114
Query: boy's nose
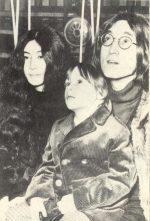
70	87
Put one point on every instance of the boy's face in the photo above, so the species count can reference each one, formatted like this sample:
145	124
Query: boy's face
79	93
34	64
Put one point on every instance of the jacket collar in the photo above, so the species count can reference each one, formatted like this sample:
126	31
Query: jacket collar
142	111
87	126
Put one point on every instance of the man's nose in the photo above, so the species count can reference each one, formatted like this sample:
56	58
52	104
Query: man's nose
114	47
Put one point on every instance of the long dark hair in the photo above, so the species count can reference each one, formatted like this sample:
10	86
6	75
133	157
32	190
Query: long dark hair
24	125
57	57
140	26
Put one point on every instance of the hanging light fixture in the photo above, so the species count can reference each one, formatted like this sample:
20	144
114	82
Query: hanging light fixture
15	20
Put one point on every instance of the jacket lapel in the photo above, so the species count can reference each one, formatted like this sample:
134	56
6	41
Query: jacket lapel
87	126
83	128
67	125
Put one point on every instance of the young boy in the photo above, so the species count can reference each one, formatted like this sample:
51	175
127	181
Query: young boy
88	169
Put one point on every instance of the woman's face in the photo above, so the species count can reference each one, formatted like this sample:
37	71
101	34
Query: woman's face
117	62
79	93
34	63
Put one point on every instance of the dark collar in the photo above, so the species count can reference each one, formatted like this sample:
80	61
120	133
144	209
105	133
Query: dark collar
101	114
129	93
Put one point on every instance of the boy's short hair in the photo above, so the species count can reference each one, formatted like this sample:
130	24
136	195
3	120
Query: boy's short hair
89	72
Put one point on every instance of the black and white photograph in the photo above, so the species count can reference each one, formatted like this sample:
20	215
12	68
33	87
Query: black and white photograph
74	110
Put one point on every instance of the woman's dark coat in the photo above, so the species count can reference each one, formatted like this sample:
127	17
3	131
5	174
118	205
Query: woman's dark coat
24	130
93	160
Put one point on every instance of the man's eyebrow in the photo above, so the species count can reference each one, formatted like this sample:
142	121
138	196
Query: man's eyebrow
128	33
108	31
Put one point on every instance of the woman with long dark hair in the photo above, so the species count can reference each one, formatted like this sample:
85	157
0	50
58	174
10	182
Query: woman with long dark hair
31	98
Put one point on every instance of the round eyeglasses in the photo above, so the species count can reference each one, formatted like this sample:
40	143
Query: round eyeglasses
124	42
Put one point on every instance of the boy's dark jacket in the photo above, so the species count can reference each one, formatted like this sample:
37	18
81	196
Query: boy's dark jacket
93	160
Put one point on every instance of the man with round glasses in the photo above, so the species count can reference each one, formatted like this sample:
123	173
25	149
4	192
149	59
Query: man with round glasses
124	42
120	53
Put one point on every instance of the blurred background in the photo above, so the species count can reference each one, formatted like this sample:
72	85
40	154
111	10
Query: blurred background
59	14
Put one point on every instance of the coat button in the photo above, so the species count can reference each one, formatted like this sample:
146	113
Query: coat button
58	183
84	161
65	162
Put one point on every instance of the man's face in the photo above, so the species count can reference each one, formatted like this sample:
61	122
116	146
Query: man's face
116	62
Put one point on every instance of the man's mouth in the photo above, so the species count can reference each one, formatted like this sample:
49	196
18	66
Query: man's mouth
111	61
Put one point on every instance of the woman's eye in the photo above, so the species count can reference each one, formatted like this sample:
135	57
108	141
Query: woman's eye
40	56
25	57
79	81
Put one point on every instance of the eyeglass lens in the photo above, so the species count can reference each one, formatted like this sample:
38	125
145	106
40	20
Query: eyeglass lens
124	42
